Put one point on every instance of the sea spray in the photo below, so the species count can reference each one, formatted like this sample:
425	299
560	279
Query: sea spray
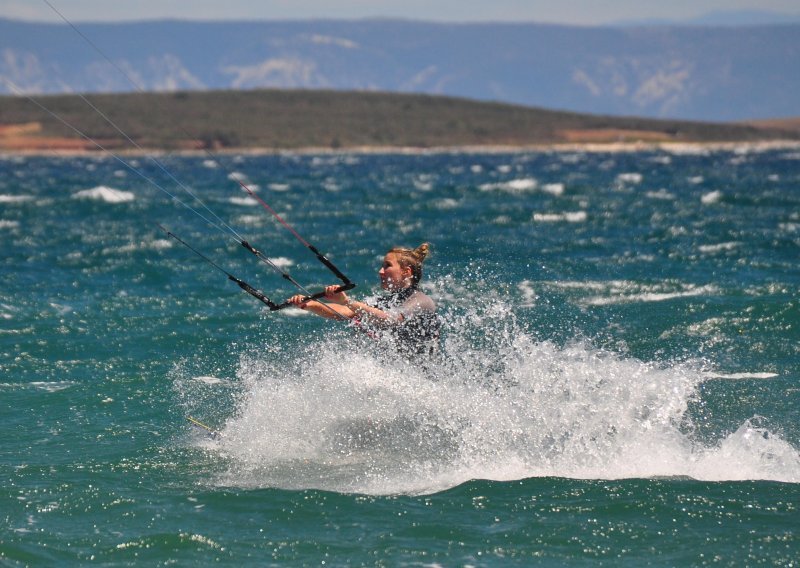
339	412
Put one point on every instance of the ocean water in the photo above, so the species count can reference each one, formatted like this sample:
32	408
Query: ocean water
618	382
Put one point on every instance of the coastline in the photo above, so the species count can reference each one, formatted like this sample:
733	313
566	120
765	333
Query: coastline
588	147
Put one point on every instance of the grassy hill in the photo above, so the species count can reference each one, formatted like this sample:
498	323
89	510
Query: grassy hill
294	119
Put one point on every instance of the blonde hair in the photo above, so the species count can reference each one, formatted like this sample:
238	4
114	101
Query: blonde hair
412	258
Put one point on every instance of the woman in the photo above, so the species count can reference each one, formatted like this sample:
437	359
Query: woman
405	314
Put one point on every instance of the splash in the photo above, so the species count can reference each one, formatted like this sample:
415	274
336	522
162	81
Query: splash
105	194
346	415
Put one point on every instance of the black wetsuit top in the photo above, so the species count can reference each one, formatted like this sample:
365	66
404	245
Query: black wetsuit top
418	330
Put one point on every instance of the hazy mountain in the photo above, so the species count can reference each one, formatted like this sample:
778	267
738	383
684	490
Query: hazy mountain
736	18
714	73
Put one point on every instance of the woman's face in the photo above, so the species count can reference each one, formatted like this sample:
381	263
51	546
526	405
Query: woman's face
393	276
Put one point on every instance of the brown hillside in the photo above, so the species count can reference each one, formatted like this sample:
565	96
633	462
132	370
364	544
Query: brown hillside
277	120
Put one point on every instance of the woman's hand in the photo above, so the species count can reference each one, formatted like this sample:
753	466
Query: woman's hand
335	295
299	300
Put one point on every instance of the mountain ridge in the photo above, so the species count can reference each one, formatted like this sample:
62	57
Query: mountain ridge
691	73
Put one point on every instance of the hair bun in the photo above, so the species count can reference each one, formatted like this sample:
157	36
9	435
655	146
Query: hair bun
422	251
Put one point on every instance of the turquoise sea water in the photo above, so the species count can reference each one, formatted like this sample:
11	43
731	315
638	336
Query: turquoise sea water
618	382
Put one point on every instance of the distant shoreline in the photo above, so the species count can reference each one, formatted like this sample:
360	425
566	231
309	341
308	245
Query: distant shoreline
612	147
273	122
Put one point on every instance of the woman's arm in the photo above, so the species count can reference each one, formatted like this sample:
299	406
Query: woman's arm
342	306
365	311
330	311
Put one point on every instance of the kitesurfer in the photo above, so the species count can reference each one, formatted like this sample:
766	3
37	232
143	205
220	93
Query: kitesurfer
405	314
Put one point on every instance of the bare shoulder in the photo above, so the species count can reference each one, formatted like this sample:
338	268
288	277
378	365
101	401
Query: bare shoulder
419	302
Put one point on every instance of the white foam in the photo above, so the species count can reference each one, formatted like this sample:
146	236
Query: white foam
513	186
711	197
741	376
282	261
423	184
279	187
7	224
237	176
633	178
553	188
649	296
244	201
209	380
157	244
528	293
569	217
47	386
661	194
446	203
106	194
250	220
614	292
15	198
720	247
338	414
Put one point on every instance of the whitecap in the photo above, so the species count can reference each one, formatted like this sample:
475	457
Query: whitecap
512	186
245	201
649	294
718	247
282	261
446	203
741	376
6	224
106	194
711	197
280	187
634	178
423	185
613	292
157	244
15	198
51	386
209	380
250	220
569	217
61	309
237	176
553	188
662	194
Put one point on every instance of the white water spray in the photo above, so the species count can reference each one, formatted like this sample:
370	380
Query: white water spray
340	414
